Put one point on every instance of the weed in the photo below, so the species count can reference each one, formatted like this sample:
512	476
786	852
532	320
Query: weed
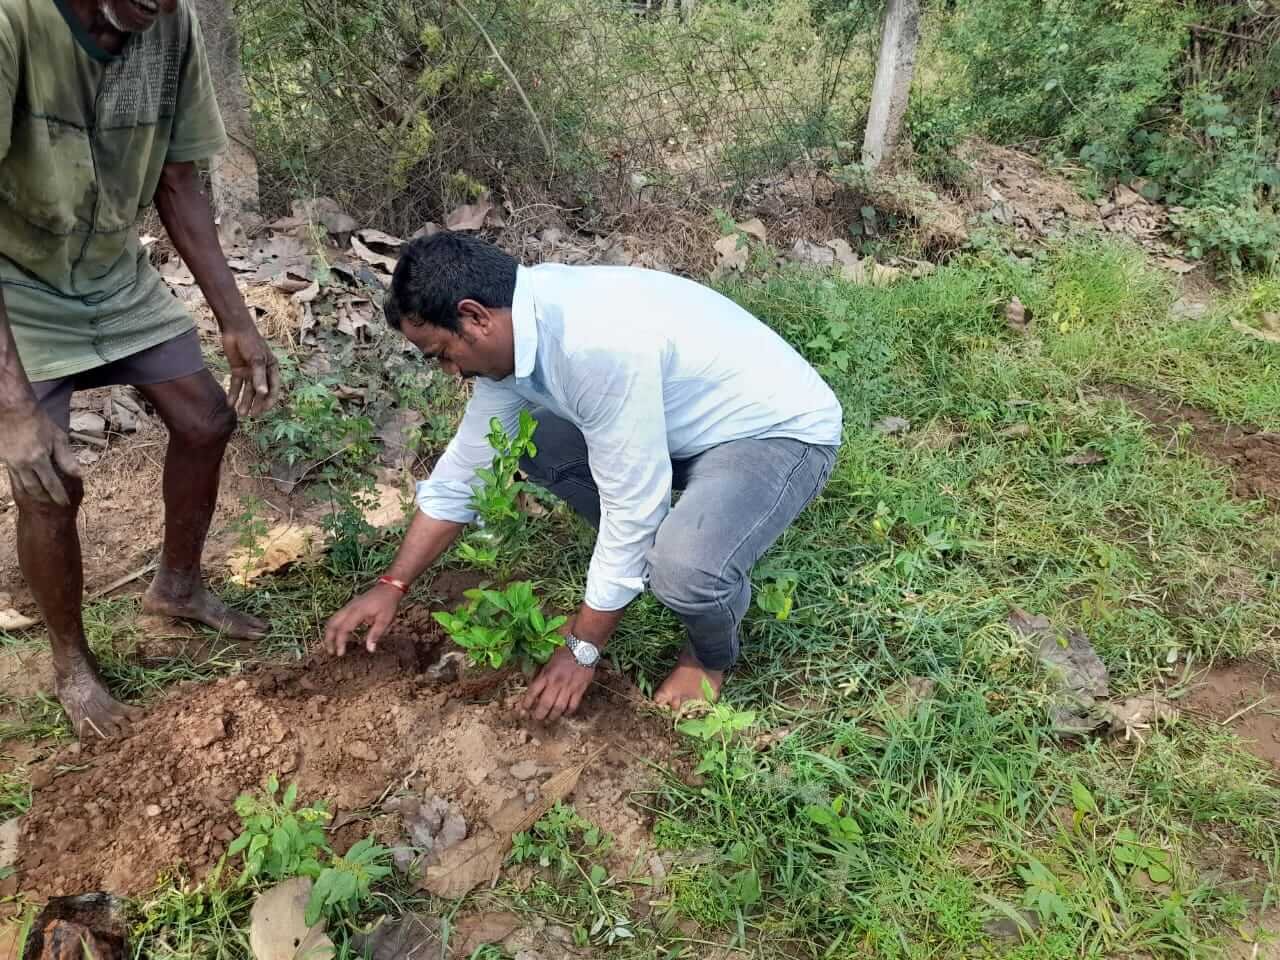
279	840
343	887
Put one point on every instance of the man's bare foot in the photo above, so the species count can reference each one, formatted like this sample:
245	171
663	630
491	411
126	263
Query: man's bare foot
685	683
202	605
90	708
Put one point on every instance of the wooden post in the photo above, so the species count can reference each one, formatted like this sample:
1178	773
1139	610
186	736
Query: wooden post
892	85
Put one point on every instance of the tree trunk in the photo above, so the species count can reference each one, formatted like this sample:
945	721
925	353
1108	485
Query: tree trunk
234	173
892	85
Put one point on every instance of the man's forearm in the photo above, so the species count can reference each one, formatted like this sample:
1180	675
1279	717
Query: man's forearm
595	626
426	540
184	210
15	388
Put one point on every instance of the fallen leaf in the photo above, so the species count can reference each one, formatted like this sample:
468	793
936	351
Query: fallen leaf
388	263
469	216
426	230
389	508
733	255
889	426
478	929
1016	315
905	697
844	253
1188	309
1071	661
529	505
280	546
307	294
1085	458
770	738
376	238
1136	715
398	432
176	274
278	929
409	936
803	251
1270	336
1176	264
478	859
290	284
13	620
9	833
754	228
1017	431
326	212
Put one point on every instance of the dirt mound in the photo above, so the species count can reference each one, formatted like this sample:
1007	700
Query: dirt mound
1253	455
113	816
1244	694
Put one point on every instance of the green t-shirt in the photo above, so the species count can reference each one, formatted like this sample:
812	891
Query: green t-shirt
83	138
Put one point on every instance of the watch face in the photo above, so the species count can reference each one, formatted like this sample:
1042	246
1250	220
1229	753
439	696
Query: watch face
585	653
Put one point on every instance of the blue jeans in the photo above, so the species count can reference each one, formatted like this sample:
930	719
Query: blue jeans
735	501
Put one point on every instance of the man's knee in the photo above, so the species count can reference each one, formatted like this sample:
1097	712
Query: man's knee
39	507
680	581
211	430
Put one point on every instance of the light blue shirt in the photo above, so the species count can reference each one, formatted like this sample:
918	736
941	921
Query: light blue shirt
651	368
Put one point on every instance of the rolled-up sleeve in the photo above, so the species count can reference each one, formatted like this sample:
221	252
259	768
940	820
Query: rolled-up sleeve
8	82
620	410
446	494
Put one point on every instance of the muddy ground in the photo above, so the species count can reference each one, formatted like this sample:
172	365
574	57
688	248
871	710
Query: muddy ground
352	731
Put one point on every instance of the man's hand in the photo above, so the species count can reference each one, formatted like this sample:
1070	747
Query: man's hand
34	450
558	688
374	608
255	374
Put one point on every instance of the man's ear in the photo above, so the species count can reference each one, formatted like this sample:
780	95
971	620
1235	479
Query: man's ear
473	314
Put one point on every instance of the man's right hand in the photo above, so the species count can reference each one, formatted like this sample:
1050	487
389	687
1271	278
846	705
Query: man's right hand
374	608
35	450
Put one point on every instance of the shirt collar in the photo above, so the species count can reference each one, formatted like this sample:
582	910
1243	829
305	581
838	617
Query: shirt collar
524	323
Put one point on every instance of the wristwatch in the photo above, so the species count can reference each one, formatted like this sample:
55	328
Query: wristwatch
586	653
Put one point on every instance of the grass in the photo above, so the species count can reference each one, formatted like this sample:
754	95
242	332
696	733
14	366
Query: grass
869	832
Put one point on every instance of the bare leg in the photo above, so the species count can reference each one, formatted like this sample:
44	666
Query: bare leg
200	423
49	554
685	683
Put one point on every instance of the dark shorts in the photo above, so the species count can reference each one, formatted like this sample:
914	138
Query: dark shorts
171	360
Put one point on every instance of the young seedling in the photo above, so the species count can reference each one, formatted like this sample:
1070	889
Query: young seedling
498	626
496	498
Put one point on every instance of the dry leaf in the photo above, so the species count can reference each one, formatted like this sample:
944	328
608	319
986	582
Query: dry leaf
1016	315
733	255
408	936
1136	715
13	620
326	212
176	274
1271	336
478	859
426	230
1176	264
905	697
373	257
769	738
280	546
802	251
891	425
883	276
1085	458
529	505
278	929
376	238
291	284
9	833
754	228
469	216
306	295
1018	431
389	508
478	929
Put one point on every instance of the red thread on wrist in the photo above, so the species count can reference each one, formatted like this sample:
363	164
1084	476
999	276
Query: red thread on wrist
393	582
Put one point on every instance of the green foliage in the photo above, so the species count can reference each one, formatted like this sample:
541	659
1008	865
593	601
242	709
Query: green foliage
344	886
496	498
496	627
569	849
279	840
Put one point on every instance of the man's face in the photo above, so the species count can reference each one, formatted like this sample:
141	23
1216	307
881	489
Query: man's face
482	347
135	16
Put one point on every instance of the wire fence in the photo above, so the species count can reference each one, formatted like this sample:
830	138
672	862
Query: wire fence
402	109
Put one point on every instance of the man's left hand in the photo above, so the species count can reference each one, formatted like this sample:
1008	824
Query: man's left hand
255	374
558	688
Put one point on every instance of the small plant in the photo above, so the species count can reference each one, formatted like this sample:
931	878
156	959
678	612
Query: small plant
498	626
778	595
496	499
250	528
838	825
280	839
343	886
1134	855
565	843
718	729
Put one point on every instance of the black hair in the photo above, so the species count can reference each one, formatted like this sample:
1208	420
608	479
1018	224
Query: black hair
436	273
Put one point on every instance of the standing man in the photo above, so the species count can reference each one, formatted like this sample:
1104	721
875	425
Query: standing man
642	383
105	107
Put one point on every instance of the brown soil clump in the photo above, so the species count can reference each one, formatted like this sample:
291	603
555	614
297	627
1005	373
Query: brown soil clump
1246	692
1253	455
113	816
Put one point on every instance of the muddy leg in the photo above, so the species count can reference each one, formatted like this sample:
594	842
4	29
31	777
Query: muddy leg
49	554
200	422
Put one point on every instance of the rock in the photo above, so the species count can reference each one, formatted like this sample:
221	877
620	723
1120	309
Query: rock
1007	930
89	423
361	751
1185	309
526	770
152	810
1125	197
9	832
209	733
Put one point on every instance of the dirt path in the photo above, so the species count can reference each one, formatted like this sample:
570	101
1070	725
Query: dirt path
113	816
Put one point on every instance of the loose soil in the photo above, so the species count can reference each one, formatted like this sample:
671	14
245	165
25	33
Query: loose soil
113	816
1252	455
1249	693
